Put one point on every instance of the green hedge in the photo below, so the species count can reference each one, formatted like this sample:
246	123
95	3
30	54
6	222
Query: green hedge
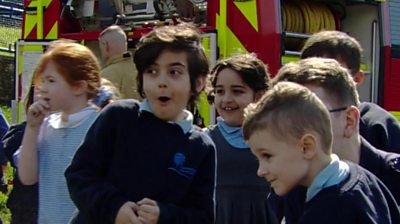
7	87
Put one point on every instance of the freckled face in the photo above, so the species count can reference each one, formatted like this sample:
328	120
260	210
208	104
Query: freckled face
56	90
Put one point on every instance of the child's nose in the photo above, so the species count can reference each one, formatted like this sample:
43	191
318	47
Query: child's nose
227	97
162	81
262	170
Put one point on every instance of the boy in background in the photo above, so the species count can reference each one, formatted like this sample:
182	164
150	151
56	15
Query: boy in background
377	126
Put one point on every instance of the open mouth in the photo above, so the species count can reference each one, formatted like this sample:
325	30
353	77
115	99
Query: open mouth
163	99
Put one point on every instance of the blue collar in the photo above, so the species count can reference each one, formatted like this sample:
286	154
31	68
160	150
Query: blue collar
331	175
186	124
233	135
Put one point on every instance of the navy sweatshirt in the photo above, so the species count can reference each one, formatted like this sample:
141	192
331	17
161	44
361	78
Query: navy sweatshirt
128	155
384	165
379	127
360	199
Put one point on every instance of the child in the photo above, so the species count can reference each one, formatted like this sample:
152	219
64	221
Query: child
294	149
146	162
23	199
236	82
3	159
377	126
49	142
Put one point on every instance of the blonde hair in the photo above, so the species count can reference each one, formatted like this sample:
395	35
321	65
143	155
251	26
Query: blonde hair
289	110
324	72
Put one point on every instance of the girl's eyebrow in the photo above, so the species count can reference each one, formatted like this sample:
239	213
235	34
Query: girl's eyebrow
238	86
177	64
232	86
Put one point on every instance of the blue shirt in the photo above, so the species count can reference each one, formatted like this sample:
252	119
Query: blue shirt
331	175
186	123
233	135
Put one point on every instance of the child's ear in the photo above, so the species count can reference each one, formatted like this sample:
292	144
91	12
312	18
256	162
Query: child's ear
80	88
352	121
309	146
200	83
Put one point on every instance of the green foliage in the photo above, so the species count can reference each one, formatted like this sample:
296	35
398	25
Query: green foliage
5	214
7	112
6	79
8	36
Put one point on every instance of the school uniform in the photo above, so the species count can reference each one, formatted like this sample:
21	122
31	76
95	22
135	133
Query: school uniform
57	143
379	127
359	198
384	165
130	154
241	196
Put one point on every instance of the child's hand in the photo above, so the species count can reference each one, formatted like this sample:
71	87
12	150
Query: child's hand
127	214
36	113
148	211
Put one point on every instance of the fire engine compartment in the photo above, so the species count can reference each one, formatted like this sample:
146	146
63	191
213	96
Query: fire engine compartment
359	19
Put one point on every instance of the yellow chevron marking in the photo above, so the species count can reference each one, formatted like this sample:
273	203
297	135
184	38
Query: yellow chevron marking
289	58
30	22
53	33
249	10
396	114
228	43
221	27
44	3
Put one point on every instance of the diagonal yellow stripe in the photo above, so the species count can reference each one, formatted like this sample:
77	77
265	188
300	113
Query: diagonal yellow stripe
396	114
249	10
30	22
53	33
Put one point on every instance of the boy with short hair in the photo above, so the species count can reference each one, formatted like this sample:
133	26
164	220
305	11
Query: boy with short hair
146	162
337	191
377	126
335	87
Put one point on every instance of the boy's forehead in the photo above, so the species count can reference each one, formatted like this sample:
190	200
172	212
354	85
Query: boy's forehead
321	93
172	57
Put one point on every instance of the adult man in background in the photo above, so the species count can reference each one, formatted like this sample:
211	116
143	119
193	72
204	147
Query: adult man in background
118	61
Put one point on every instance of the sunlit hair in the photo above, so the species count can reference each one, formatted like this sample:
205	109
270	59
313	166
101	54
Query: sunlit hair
325	73
251	70
74	62
178	38
289	110
336	45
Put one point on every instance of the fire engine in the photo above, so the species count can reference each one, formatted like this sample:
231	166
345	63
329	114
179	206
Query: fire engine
273	29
